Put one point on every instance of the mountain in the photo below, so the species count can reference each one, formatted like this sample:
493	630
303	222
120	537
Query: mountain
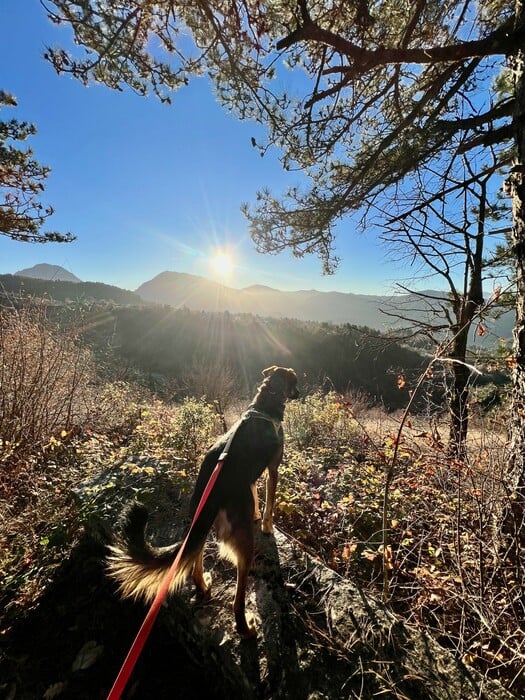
180	290
200	294
43	271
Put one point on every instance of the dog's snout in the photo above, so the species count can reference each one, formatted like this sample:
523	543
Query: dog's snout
294	393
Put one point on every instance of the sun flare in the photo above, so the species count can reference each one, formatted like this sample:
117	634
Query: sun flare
222	264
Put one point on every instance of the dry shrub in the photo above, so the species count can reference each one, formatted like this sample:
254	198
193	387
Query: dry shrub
51	401
216	382
448	569
114	408
44	376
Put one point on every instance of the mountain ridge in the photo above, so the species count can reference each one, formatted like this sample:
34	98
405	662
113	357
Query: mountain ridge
200	293
197	293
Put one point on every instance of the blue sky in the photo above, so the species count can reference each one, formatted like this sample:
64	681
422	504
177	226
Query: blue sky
147	187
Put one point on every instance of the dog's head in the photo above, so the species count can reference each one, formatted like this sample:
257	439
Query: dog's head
282	379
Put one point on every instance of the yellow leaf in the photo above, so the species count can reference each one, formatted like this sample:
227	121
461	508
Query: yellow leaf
368	554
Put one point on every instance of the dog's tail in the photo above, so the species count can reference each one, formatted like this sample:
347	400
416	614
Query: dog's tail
138	567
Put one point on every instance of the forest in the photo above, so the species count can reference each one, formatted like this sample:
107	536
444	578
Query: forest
173	342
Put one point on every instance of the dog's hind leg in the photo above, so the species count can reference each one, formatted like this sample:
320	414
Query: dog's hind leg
241	542
257	512
201	579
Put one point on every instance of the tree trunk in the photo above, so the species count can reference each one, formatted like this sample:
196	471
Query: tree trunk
459	395
513	517
465	311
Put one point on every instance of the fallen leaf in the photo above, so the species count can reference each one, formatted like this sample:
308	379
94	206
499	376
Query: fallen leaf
55	690
87	656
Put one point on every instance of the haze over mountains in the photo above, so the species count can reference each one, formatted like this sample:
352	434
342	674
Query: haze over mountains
198	293
181	290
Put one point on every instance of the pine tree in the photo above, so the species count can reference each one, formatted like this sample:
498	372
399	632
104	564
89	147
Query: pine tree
22	179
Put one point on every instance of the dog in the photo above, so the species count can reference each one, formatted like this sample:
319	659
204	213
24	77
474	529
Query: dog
232	506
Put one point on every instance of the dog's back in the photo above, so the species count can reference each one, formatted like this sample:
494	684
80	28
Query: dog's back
256	442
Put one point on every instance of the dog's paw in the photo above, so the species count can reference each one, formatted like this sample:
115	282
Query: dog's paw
267	527
206	589
249	629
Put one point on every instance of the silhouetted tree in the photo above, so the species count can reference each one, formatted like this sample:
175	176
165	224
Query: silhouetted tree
451	241
22	215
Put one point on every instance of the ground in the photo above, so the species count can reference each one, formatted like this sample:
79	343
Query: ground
319	637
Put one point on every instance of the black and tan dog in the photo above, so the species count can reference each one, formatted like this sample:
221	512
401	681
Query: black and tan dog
232	505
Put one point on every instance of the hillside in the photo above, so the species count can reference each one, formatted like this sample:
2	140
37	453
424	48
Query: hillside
182	290
200	294
62	291
174	343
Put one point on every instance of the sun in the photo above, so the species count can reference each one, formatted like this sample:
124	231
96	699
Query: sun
222	264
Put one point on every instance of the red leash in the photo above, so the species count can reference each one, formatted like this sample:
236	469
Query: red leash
143	633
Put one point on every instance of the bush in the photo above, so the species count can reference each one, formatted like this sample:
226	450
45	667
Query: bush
176	431
115	407
44	377
321	420
446	568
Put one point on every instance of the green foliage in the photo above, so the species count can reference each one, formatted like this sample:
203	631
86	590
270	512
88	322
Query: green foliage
22	178
333	508
184	431
489	398
321	420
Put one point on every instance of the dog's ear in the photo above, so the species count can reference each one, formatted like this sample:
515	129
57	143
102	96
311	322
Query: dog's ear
292	384
269	370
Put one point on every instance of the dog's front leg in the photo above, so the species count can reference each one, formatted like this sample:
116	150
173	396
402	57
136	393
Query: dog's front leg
271	488
257	511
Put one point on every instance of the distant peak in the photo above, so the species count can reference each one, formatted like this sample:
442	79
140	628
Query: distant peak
259	288
45	271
